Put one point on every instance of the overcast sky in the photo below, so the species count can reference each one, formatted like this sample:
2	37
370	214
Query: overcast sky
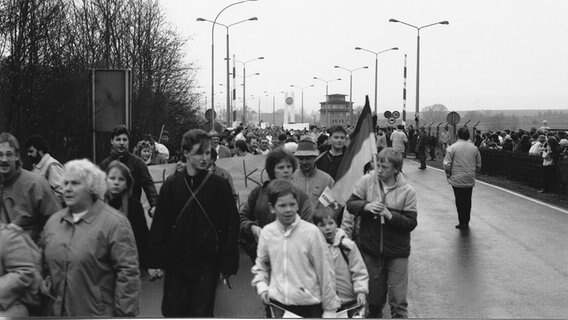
494	54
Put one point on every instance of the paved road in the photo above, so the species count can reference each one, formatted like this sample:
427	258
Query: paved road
512	263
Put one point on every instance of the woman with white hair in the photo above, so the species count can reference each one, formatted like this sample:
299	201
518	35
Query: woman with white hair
90	251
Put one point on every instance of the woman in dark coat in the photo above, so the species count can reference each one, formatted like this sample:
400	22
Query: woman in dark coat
119	189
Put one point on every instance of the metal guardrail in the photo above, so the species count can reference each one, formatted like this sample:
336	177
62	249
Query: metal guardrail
522	167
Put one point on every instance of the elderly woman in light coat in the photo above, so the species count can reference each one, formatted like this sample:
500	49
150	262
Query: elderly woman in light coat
90	251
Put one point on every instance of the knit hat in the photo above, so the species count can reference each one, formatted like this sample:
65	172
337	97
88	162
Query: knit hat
306	148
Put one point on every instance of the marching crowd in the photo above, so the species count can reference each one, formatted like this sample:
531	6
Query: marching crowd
74	238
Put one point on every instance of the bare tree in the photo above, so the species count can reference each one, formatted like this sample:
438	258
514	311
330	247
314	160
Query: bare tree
47	47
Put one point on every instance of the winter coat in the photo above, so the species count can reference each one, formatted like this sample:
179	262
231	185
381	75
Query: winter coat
52	170
92	264
462	160
133	210
313	185
329	163
256	212
16	271
351	276
197	238
26	199
391	239
294	265
140	173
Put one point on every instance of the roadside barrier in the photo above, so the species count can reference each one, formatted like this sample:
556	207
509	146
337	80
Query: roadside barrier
522	167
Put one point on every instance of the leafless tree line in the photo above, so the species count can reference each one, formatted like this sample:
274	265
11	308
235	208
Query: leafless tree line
48	46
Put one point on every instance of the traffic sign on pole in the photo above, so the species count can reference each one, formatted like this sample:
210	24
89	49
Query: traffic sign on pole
453	118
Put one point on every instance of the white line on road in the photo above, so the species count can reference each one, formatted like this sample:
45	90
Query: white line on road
517	194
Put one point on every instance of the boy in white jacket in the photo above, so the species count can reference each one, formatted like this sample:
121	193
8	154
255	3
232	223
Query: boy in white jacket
352	279
293	268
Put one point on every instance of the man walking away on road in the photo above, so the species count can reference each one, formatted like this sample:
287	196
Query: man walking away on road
461	162
45	165
399	140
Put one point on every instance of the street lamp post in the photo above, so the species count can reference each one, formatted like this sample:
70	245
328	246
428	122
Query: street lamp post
418	61
351	89
302	88
213	58
227	58
245	81
376	68
327	98
273	105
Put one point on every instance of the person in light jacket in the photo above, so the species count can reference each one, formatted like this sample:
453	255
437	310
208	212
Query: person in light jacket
293	268
351	276
461	162
90	251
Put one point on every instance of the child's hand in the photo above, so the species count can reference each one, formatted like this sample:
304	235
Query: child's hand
374	207
361	299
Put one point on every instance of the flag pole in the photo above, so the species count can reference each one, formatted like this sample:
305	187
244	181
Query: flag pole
376	180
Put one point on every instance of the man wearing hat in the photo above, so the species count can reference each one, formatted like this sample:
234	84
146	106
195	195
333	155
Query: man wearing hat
222	151
308	178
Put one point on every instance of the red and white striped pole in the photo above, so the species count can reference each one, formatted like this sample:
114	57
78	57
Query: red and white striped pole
404	95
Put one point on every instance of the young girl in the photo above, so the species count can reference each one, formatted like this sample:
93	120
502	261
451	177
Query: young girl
144	150
119	187
293	269
352	279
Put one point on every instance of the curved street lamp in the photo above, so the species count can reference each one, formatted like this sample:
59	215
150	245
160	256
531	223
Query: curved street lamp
418	61
376	68
326	98
302	88
228	72
213	57
351	89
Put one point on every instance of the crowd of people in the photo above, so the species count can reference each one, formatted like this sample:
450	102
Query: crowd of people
74	238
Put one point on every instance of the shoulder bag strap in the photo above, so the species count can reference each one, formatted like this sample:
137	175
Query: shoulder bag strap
341	249
191	197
